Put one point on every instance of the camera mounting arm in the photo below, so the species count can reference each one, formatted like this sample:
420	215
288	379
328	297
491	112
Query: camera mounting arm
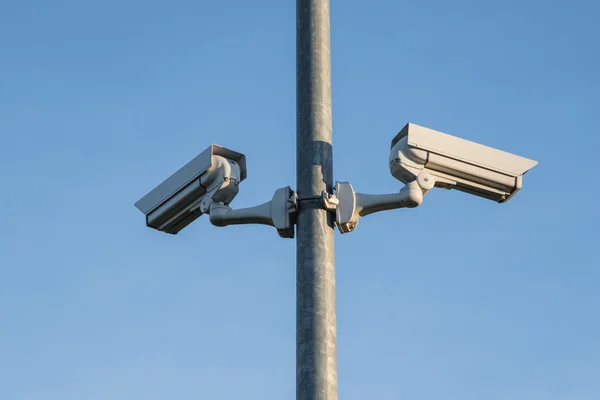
350	206
279	213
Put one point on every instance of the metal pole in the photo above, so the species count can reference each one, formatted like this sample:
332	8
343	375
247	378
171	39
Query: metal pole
316	354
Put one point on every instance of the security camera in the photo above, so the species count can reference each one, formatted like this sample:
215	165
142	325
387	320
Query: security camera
449	162
422	158
206	185
176	202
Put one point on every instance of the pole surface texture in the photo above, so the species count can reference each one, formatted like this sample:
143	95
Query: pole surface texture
316	354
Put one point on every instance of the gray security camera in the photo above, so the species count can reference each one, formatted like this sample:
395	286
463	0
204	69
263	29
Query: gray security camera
175	203
422	159
207	185
454	163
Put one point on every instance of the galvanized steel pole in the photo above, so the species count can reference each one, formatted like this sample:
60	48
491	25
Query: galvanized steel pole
316	354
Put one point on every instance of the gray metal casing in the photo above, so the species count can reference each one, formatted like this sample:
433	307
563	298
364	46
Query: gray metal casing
173	204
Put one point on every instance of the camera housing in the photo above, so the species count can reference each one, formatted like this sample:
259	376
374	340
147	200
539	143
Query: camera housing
455	163
176	202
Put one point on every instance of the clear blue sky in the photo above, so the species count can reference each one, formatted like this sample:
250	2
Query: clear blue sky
461	298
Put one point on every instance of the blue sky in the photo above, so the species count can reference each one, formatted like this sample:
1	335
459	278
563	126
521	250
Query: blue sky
461	298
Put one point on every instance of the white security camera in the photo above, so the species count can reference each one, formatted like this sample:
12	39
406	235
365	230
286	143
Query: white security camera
206	185
422	159
455	163
175	203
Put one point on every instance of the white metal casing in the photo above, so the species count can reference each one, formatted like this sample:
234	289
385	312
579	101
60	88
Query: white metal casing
456	163
174	204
